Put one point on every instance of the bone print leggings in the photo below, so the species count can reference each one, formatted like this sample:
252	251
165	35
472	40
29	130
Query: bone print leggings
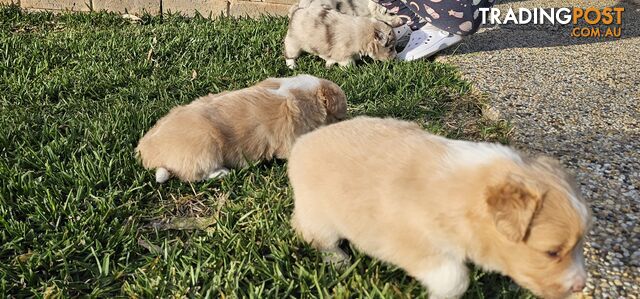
460	17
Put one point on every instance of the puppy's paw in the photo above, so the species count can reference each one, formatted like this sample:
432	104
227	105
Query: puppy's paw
162	175
337	258
396	22
328	63
291	64
346	63
393	21
218	174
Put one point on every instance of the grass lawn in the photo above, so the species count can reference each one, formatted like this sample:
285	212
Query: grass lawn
79	216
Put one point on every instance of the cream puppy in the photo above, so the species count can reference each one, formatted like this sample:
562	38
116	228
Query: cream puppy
429	204
336	37
204	138
360	8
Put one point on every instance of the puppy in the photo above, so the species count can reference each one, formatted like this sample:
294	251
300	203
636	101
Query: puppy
202	139
359	8
428	204
336	37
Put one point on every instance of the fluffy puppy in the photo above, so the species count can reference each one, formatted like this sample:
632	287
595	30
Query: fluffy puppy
336	37
204	138
429	204
359	8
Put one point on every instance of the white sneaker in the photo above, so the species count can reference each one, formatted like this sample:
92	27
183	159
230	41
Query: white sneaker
427	41
402	35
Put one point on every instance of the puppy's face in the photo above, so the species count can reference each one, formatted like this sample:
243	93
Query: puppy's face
383	43
334	101
544	220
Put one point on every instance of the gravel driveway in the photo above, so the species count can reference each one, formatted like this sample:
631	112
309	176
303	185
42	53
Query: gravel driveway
577	99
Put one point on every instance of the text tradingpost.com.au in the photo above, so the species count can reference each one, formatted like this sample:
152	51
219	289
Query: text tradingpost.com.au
611	17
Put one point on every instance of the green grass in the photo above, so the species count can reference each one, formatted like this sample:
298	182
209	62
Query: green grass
79	216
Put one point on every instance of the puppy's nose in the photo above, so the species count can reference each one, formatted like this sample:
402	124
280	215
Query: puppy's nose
578	285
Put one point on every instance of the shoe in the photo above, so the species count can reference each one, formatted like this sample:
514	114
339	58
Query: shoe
427	41
402	35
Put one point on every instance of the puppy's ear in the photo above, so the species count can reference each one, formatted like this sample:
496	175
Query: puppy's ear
513	204
332	98
380	37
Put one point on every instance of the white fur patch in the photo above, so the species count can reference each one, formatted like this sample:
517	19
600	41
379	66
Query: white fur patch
218	174
576	274
474	153
450	279
162	175
306	82
471	153
291	63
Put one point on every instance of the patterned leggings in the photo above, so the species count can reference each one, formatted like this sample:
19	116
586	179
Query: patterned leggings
455	16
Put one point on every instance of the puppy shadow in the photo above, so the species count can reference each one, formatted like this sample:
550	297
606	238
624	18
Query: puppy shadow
511	36
258	167
268	164
362	62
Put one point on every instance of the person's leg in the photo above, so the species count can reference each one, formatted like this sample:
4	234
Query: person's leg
397	7
448	21
457	17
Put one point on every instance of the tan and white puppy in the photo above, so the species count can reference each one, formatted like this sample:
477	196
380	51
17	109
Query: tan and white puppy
429	204
204	138
359	8
336	37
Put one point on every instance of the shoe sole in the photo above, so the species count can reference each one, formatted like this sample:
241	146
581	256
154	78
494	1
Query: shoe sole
429	52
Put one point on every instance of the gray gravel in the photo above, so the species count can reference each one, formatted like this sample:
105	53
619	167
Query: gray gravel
576	99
